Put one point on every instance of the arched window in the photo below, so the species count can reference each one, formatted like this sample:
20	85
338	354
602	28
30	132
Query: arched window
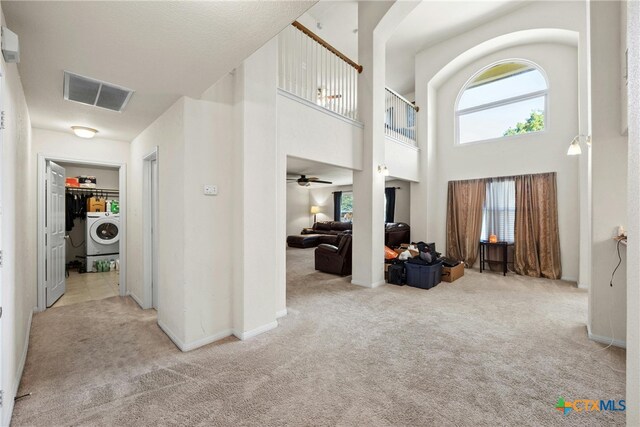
504	99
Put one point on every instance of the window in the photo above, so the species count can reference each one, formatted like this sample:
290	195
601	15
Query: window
506	99
346	207
499	212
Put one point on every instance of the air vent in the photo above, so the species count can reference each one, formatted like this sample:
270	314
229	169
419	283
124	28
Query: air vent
95	92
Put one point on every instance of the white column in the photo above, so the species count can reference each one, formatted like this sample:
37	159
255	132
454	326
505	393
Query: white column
368	184
254	257
376	23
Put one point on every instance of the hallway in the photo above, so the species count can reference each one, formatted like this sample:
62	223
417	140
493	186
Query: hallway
344	355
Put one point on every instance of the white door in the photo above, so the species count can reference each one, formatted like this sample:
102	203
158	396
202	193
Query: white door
55	232
154	238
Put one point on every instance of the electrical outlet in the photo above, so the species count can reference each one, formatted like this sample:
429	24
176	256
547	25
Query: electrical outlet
210	190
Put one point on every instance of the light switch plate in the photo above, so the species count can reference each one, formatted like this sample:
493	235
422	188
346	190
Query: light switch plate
210	190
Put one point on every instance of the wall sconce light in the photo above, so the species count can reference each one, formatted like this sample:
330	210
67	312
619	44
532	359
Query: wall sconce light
315	210
574	148
383	169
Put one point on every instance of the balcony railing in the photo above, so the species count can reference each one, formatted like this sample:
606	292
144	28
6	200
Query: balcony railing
314	70
400	118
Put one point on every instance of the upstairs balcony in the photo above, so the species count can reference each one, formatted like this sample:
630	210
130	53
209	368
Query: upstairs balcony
312	69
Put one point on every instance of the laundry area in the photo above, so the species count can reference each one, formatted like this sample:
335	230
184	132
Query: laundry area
91	232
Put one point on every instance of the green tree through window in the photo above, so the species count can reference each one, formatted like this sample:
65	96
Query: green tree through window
346	207
534	123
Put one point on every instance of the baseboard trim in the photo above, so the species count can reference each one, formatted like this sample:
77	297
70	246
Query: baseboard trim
10	400
173	337
570	279
184	347
605	340
582	286
207	340
368	285
257	331
136	299
281	313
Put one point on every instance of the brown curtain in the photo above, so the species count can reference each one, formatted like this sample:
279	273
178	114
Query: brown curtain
537	241
464	219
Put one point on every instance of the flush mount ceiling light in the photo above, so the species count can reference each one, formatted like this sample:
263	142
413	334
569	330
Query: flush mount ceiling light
84	132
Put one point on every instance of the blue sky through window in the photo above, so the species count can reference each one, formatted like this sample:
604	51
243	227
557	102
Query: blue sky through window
492	122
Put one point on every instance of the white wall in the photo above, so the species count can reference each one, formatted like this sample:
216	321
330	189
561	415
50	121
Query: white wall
167	133
633	207
18	225
207	276
323	197
298	209
338	23
524	154
195	140
538	22
258	173
403	202
67	145
609	157
310	132
402	160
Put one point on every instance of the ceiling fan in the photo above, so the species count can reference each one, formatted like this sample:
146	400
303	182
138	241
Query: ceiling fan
305	181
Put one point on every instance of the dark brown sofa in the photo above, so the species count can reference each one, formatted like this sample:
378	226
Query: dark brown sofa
395	233
328	227
335	259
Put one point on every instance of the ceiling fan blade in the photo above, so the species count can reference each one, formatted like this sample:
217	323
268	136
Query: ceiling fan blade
322	182
312	178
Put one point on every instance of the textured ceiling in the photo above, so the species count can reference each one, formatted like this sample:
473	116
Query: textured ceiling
162	50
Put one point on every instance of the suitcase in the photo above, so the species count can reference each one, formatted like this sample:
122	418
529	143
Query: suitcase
396	274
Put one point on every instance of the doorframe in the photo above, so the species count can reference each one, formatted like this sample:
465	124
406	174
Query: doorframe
42	172
149	244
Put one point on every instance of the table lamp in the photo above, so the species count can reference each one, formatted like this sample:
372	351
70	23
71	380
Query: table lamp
315	210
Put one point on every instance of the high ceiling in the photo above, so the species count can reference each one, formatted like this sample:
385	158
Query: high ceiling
429	23
432	22
160	49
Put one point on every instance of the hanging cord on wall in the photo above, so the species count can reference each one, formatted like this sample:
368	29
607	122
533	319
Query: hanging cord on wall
71	240
619	262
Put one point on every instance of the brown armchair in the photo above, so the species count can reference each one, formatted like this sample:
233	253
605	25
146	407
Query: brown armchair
335	259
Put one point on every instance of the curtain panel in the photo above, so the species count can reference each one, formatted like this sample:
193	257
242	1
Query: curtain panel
465	201
337	205
390	208
537	238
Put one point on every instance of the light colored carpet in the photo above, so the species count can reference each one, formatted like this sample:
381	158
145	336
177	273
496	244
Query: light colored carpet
482	351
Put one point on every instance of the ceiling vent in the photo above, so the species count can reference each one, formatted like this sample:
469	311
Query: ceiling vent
94	92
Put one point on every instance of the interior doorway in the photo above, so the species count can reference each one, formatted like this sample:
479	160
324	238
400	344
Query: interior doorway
81	231
150	224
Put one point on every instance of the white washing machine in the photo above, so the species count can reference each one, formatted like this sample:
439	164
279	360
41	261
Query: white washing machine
103	234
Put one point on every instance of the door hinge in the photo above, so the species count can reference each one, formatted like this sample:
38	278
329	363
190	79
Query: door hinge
1	396
2	119
1	258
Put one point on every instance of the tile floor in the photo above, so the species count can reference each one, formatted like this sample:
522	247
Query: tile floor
88	287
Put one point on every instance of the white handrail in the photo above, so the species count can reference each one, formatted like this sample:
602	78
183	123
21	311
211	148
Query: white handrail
400	118
311	69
